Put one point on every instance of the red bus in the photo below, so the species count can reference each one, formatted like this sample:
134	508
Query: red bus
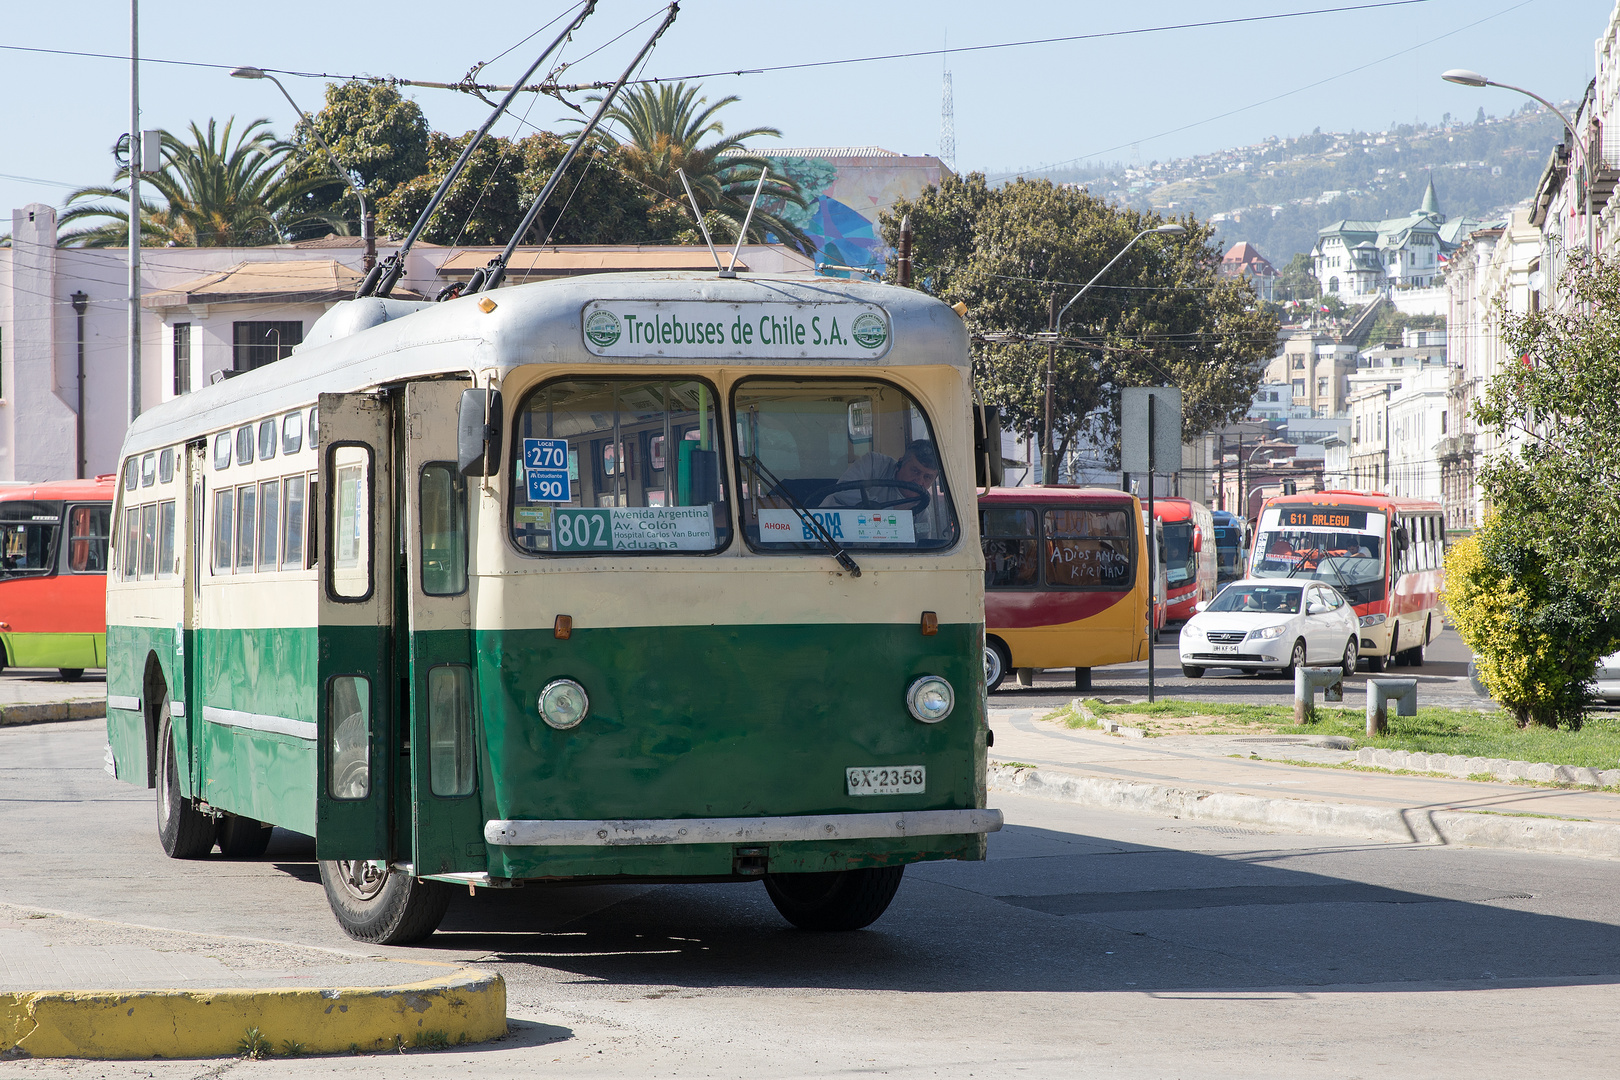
53	574
1189	555
1065	580
1384	554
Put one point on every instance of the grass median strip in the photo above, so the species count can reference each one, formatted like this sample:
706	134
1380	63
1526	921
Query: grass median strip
1462	732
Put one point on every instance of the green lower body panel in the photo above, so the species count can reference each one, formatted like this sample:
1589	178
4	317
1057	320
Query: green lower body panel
55	650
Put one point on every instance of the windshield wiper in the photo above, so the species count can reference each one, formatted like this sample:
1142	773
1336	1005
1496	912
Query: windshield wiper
817	529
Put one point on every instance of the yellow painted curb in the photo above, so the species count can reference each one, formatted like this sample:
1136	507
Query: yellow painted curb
467	1007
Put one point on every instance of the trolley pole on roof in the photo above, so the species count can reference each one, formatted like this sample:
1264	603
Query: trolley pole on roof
134	211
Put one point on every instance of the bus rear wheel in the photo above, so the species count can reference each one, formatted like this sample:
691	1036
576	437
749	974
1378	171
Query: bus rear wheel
836	900
184	831
376	904
70	674
243	837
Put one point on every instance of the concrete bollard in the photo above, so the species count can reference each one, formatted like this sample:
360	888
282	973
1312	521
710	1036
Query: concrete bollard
1308	680
1380	692
1025	676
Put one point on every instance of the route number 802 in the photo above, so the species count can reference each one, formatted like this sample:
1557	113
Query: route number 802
583	530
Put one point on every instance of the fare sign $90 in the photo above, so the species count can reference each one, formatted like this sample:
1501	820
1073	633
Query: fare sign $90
545	466
886	780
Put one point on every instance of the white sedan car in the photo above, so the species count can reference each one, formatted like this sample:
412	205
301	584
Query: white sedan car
1277	623
1608	679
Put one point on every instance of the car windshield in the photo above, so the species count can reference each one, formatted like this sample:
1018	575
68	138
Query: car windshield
857	455
1352	562
1277	599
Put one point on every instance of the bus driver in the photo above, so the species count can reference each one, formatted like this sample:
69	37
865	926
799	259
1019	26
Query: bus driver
918	468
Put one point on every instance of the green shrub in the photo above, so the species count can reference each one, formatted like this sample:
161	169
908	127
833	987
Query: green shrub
1535	639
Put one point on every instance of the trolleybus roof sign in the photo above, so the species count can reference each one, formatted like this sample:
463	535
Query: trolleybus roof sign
712	329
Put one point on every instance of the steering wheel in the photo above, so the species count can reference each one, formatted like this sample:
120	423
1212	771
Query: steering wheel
915	503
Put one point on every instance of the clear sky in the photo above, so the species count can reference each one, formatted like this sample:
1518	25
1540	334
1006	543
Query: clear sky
1171	93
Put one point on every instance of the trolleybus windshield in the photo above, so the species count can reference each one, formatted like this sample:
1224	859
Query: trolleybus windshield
1345	548
28	532
1180	563
619	466
857	455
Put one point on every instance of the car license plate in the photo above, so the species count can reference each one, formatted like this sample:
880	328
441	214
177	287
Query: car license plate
1223	648
888	780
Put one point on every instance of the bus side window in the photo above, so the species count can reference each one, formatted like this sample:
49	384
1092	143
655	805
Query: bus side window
1010	556
87	539
148	541
312	551
165	543
224	534
131	547
292	545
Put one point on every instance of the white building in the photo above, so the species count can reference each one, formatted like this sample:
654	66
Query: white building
207	311
1417	420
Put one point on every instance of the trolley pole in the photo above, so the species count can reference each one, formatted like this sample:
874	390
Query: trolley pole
135	164
1153	548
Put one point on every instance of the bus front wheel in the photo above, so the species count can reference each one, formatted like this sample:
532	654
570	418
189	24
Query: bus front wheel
184	831
376	904
70	674
836	900
996	664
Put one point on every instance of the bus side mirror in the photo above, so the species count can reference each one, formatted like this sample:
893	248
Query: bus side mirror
1403	539
1197	541
478	432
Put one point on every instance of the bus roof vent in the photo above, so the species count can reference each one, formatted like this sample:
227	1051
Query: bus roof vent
352	316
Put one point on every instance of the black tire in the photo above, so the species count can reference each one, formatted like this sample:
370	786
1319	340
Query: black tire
996	664
1414	655
1191	672
1352	652
1296	660
184	831
838	900
394	909
70	674
243	837
1375	664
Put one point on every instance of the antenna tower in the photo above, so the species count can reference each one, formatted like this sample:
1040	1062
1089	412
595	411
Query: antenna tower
947	127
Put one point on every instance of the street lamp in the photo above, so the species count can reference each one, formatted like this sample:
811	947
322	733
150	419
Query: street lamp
1048	454
1464	77
368	223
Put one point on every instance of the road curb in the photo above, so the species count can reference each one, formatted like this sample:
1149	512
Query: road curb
467	1006
52	710
1546	835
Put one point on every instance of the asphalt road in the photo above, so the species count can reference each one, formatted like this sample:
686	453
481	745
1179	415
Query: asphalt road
1089	944
1442	680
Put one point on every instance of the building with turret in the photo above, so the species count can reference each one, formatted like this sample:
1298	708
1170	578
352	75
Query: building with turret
1356	261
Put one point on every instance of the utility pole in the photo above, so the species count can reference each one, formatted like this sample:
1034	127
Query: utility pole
1049	451
1153	548
134	211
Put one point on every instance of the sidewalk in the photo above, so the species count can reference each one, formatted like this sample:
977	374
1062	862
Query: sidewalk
1229	778
77	987
29	695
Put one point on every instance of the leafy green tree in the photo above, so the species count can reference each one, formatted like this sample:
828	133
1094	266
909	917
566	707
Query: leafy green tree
666	125
1535	638
1163	316
215	192
1297	281
1556	411
375	132
597	203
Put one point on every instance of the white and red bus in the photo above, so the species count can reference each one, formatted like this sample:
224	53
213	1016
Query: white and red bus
1384	554
1189	555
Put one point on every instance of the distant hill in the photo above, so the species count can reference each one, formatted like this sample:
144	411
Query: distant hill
1278	193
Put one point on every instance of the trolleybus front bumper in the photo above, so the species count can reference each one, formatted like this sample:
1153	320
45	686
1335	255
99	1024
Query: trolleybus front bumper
740	830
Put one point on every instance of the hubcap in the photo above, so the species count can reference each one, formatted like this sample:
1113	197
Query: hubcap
992	665
363	880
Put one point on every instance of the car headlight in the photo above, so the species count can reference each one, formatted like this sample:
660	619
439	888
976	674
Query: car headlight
563	704
1267	633
930	699
1192	633
1372	620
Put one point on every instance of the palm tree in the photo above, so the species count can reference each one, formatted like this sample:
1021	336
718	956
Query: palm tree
215	194
665	124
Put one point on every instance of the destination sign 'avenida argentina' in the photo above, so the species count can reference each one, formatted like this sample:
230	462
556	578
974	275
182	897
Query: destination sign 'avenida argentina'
703	329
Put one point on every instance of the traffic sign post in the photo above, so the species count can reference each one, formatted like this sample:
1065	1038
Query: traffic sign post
1149	438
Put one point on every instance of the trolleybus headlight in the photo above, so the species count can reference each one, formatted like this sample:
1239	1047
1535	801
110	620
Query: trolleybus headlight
930	699
1373	620
563	703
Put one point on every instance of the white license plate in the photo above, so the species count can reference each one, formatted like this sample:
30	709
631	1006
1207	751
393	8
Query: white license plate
1223	648
887	780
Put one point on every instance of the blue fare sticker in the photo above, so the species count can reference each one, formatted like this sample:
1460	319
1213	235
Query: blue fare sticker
545	464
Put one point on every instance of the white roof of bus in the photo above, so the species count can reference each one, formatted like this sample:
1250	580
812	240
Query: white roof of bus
362	344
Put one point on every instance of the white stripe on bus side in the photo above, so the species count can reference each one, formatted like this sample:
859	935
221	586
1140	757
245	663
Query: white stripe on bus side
278	725
119	701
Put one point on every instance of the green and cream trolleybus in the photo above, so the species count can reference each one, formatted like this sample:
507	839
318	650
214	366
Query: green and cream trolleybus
623	577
